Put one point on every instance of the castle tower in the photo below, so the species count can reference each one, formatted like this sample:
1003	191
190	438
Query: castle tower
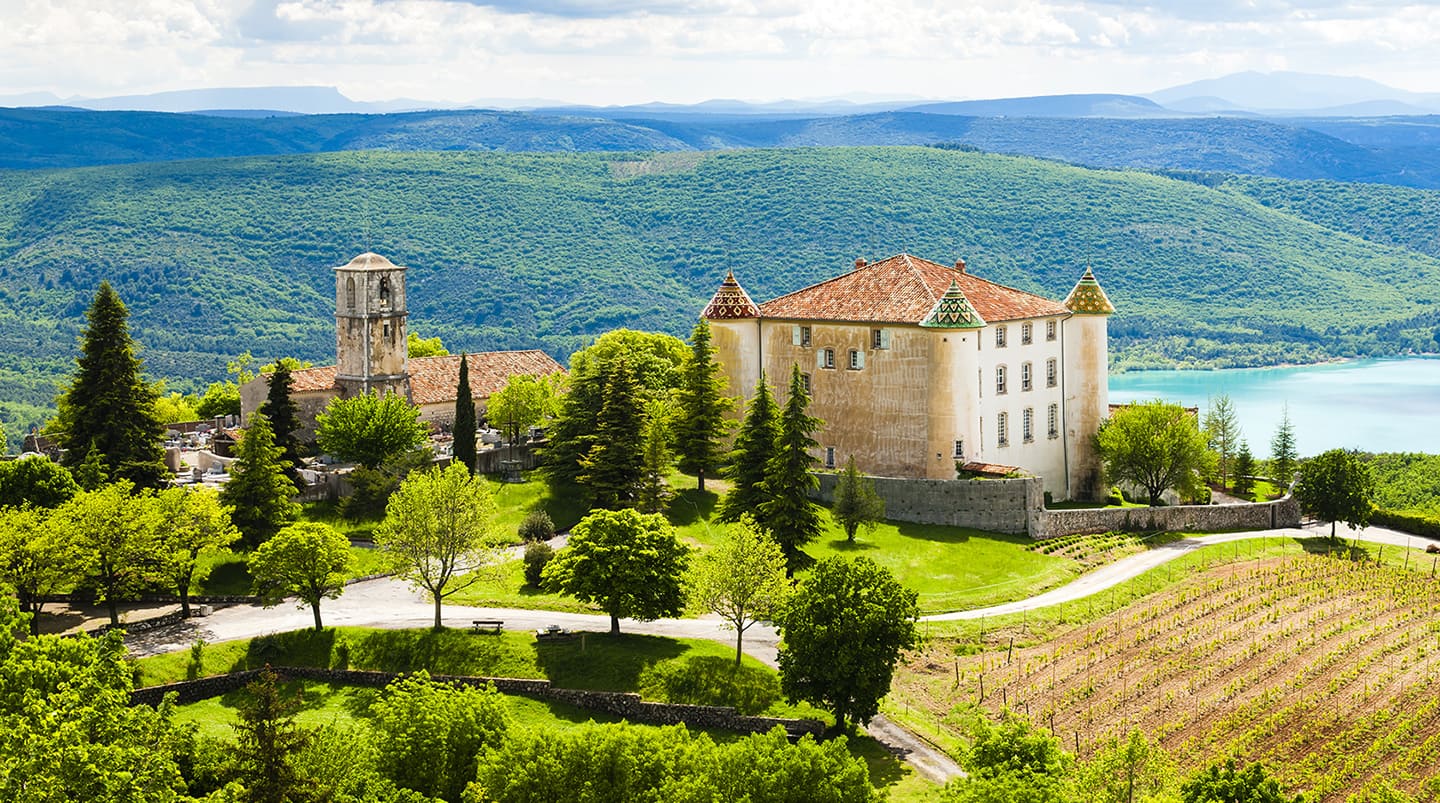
370	348
1087	388
735	334
954	328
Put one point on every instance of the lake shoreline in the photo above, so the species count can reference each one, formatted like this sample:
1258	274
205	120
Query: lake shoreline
1419	355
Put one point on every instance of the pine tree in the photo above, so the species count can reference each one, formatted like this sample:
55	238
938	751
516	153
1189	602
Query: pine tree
1222	431
1244	470
856	503
754	446
653	493
464	446
786	512
267	741
703	406
612	469
284	418
574	433
109	406
1282	451
258	490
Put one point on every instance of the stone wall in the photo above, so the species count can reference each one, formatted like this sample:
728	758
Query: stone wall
621	704
1284	512
1001	505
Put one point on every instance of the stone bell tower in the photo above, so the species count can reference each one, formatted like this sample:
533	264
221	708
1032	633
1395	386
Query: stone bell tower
370	348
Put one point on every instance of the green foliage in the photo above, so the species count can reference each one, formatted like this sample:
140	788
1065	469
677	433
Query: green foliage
108	406
1283	455
536	526
308	560
652	494
538	555
702	423
1408	482
267	740
1129	770
1337	486
786	512
1222	432
754	447
195	523
373	486
843	631
220	398
463	448
38	557
710	680
370	428
417	346
176	407
628	563
524	402
258	492
1229	784
1244	470
612	469
655	358
1012	761
284	417
1155	445
431	732
116	532
742	580
856	504
35	481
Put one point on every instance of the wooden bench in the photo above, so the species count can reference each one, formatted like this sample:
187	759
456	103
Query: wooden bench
481	625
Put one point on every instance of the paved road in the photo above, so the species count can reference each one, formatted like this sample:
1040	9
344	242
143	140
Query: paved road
388	603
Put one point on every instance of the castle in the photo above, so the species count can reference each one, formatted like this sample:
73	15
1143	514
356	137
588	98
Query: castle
371	356
917	367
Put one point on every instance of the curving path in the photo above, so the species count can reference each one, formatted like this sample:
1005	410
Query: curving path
387	603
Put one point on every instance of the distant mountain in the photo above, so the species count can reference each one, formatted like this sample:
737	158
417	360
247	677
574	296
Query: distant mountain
290	99
1122	106
1293	92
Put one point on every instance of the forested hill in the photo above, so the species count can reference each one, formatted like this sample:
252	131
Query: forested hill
510	250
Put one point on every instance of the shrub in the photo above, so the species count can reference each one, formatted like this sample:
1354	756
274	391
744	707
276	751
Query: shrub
711	681
537	526
1115	498
537	557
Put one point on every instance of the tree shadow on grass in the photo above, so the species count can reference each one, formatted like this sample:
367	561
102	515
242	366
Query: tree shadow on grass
602	661
689	506
858	545
887	767
297	648
1340	549
231	577
956	535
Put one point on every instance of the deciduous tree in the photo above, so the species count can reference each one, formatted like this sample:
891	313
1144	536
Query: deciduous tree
1337	486
369	429
856	504
1222	433
437	530
701	425
37	558
417	346
754	447
307	560
786	512
1129	770
1012	762
35	481
430	733
742	580
628	563
259	495
524	402
192	523
116	533
463	448
1155	445
843	631
1230	784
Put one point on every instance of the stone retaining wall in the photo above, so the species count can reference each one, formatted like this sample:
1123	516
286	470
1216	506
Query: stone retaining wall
621	704
1284	512
1001	505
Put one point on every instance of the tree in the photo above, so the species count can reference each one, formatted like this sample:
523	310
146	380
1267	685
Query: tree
524	402
786	512
37	558
1282	450
652	492
437	531
308	560
1228	784
1129	770
194	522
612	469
843	631
463	448
417	346
1222	432
174	407
742	580
628	563
258	493
267	741
35	481
655	358
1244	470
1155	445
430	733
1013	762
856	504
1337	486
109	406
754	446
284	418
116	533
702	423
369	429
573	435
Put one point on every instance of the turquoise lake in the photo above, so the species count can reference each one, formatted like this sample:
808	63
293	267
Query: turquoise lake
1390	405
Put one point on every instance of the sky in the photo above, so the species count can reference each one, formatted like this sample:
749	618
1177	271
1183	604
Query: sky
630	51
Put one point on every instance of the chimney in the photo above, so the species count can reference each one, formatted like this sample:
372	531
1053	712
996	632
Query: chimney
960	264
859	263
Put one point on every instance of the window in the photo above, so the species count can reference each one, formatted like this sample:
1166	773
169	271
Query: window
800	336
960	450
1002	429
829	456
1000	379
1027	333
384	290
387	331
1051	372
1025	379
999	337
1049	330
350	292
1054	428
805	383
1027	425
879	338
825	358
857	359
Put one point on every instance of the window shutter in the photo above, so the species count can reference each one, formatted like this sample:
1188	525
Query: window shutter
884	338
859	359
795	335
820	358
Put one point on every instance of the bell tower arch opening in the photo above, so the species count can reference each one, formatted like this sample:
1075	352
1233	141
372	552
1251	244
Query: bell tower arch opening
370	348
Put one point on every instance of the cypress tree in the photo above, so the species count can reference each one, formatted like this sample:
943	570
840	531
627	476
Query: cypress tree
613	468
786	512
464	446
258	489
284	418
702	409
754	446
109	407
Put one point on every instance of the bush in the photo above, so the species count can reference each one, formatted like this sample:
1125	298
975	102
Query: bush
1115	498
537	557
537	526
1415	523
711	681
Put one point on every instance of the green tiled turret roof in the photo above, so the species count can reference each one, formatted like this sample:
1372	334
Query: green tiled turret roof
953	311
1087	298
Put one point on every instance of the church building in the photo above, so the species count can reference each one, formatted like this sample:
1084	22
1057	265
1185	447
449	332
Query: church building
371	355
917	368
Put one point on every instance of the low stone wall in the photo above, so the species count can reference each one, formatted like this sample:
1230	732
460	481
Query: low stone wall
621	704
1284	512
1000	505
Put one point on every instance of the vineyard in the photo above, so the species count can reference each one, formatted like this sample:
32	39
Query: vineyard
1322	668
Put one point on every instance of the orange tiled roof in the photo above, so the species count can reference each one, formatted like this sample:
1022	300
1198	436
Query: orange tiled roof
433	379
903	289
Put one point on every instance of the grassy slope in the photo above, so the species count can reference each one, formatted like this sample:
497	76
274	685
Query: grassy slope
512	250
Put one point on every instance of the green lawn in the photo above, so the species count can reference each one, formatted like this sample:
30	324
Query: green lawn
564	503
228	574
505	587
